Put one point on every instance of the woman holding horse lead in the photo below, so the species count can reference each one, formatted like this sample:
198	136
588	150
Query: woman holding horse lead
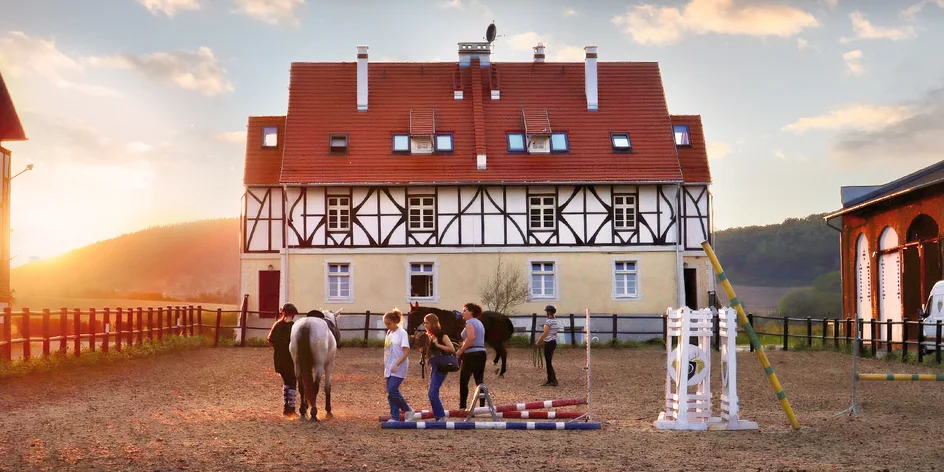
472	352
439	346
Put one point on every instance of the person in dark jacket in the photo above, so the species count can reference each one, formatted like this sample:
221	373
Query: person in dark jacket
279	336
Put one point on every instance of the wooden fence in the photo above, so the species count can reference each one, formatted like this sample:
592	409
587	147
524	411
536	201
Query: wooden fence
75	330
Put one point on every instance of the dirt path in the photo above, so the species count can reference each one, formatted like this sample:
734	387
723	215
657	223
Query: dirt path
219	409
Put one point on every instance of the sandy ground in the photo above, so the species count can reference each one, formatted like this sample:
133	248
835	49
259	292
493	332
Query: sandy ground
220	409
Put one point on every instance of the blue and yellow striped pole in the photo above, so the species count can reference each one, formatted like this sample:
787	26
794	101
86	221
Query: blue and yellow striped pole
914	377
758	349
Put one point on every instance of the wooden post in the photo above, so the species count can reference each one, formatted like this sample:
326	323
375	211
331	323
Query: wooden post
119	317
244	317
25	334
366	326
809	331
150	324
63	329
920	341
46	332
190	318
200	320
130	326
874	333
836	332
573	336
534	326
160	323
825	328
750	321
106	329
141	325
615	331
786	333
937	343
216	335
888	336
7	333
77	324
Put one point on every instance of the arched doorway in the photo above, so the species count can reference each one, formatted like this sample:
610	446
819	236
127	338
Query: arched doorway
863	278
922	266
889	282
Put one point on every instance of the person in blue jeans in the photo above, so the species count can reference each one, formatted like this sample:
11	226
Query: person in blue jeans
439	344
549	338
396	362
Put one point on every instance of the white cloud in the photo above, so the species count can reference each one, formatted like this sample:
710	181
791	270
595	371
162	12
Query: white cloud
911	12
192	70
662	26
24	56
718	150
864	29
831	3
526	41
139	147
273	12
555	52
779	154
169	7
565	53
853	60
853	117
802	44
568	12
468	5
235	137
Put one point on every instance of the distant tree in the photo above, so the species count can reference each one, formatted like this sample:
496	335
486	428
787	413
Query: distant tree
829	282
824	300
506	289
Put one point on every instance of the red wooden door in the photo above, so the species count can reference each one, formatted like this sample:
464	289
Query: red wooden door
269	293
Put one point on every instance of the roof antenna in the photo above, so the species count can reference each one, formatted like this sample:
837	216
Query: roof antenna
491	33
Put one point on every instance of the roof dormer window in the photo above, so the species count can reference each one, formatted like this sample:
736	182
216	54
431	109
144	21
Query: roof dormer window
682	136
515	142
560	142
401	143
621	142
270	137
422	144
444	143
338	143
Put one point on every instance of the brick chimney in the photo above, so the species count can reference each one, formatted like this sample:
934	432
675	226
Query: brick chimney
539	52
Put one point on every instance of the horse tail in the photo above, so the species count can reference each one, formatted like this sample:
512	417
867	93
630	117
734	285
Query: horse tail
509	327
305	358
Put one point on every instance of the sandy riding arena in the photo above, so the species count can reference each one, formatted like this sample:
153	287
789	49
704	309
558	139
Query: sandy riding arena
220	409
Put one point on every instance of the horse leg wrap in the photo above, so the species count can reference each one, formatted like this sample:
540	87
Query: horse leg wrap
291	398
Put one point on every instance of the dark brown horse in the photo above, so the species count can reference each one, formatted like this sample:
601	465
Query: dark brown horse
498	328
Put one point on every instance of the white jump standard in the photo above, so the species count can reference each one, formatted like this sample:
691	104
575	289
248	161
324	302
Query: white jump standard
688	367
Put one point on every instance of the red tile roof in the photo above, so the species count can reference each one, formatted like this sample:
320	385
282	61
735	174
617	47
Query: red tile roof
694	158
263	163
322	100
10	127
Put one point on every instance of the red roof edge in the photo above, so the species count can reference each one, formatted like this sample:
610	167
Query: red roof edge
10	127
693	159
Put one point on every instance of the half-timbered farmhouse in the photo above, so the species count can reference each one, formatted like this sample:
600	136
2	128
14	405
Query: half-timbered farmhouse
387	183
891	238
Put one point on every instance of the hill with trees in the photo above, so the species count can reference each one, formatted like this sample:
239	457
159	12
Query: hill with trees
195	261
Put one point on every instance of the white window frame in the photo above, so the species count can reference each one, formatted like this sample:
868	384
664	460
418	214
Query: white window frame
543	206
683	135
272	131
555	272
409	279
327	280
421	207
625	207
615	274
337	208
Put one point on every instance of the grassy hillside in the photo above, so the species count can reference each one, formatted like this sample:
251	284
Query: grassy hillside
792	253
196	261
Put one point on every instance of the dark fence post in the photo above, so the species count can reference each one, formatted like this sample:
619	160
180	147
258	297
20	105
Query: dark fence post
904	339
860	329
25	334
534	325
160	322
200	320
130	326
243	318
888	336
750	320
77	324
665	328
573	336
46	332
63	329
7	333
874	335
836	332
825	328
216	336
809	331
118	325
716	329
920	341
366	326
786	333
937	351
615	337
190	318
106	329
150	323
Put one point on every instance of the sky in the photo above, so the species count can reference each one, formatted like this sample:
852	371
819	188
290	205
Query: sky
136	110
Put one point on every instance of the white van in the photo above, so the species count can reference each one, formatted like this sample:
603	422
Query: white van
932	312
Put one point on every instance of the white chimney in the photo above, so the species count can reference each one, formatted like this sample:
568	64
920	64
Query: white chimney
590	77
539	52
362	78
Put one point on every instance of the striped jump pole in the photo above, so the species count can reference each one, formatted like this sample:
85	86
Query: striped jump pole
536	415
506	408
902	377
517	425
758	349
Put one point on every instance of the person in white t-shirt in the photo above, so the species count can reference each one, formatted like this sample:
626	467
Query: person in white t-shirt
396	362
549	338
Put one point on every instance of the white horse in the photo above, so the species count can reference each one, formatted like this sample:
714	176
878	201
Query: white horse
313	344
